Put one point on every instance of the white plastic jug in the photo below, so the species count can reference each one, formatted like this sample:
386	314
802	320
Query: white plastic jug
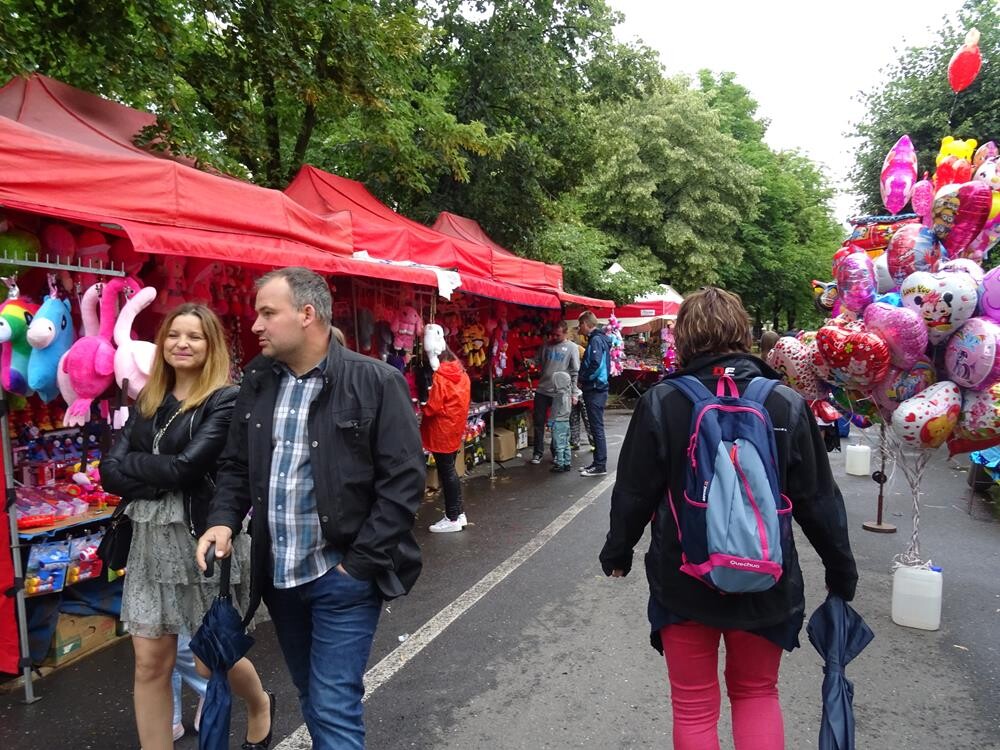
859	460
916	597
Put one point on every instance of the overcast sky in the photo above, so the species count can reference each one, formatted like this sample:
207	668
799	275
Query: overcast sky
804	61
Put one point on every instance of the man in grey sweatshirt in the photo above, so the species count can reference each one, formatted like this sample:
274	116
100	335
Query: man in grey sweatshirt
557	355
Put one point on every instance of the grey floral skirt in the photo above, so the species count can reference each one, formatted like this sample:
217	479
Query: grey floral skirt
165	593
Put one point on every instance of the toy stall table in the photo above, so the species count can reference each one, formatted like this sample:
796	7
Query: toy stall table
631	384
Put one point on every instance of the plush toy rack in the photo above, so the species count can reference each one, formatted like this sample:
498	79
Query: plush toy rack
7	455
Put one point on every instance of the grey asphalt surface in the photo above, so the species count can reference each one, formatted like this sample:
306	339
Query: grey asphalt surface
557	655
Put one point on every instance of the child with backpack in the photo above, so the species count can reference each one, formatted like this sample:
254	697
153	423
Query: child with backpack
719	458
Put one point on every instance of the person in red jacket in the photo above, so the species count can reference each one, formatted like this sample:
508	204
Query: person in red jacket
442	430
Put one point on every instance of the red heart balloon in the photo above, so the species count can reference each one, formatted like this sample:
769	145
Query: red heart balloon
851	356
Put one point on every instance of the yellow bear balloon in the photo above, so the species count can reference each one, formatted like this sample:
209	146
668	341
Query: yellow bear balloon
953	147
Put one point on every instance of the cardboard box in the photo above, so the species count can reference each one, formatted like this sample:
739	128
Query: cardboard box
504	444
76	635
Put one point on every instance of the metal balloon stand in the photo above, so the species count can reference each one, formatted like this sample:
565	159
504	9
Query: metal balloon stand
878	525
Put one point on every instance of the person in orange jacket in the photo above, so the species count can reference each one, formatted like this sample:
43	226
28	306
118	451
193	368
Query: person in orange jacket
442	430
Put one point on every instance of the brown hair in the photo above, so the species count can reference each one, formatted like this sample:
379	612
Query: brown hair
767	341
711	321
214	375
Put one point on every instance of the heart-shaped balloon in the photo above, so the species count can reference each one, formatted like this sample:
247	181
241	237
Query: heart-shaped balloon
912	248
900	385
795	360
899	173
851	356
978	425
927	419
962	265
902	329
971	356
856	281
944	300
960	212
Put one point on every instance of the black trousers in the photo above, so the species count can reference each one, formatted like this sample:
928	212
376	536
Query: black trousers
450	484
542	405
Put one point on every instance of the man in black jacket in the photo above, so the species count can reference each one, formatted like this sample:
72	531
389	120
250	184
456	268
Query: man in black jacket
325	451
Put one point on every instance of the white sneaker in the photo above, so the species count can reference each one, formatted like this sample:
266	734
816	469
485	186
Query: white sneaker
444	526
463	520
536	460
178	731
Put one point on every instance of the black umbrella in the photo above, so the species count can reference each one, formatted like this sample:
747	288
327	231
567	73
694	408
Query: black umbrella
220	642
839	634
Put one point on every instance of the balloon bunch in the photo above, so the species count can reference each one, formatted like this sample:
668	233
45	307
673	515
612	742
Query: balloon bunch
916	343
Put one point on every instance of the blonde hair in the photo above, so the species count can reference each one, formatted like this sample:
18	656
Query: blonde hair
711	321
214	374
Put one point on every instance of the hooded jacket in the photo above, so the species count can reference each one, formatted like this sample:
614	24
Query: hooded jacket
447	409
653	462
595	367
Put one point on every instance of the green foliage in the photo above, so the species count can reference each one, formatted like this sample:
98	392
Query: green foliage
914	98
564	143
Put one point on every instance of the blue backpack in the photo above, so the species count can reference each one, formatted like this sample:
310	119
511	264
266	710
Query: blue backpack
733	518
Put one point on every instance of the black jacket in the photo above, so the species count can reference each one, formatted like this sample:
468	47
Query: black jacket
368	468
653	459
189	452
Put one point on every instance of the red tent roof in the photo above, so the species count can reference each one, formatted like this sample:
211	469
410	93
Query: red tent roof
50	106
387	235
164	207
513	268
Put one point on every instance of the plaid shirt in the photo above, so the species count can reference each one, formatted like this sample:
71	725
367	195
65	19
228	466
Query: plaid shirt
299	552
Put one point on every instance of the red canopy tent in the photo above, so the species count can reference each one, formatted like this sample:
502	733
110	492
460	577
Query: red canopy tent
389	236
513	268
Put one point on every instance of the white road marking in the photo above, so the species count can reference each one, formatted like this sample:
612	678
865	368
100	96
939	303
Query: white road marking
396	659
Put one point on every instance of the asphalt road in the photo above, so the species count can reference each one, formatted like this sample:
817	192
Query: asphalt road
513	638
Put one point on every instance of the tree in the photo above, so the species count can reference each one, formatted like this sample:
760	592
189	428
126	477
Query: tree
257	87
914	98
791	235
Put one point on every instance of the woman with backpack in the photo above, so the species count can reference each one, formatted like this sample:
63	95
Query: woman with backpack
720	435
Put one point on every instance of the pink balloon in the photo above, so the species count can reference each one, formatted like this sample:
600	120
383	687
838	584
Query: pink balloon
989	298
987	151
902	329
856	281
901	384
912	248
923	196
960	212
899	173
971	357
795	360
927	419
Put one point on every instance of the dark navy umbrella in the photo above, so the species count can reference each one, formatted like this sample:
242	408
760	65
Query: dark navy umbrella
220	642
839	634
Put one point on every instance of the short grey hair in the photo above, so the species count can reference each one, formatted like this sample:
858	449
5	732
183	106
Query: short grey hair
308	288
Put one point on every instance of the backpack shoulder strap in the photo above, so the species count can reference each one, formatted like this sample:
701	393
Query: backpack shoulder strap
693	388
759	389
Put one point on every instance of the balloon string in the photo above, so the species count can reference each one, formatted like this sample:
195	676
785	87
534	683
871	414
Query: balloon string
914	473
954	101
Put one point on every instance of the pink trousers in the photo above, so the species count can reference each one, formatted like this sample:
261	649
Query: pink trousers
692	654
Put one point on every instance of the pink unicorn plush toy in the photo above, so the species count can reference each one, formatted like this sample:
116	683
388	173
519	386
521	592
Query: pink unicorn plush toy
90	362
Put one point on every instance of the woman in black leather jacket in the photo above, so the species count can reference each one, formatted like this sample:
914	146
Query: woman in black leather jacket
163	465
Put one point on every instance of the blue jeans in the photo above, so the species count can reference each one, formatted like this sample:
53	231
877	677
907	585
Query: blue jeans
325	629
560	442
184	671
595	402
